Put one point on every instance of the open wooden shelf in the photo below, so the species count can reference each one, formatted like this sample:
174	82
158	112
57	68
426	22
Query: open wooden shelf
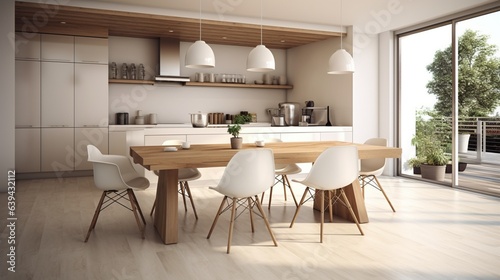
140	82
198	84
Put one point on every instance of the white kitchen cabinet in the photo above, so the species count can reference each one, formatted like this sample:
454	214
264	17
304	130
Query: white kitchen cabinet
156	140
58	151
299	137
57	94
336	136
58	48
91	50
91	95
27	150
27	46
27	93
252	137
209	139
85	136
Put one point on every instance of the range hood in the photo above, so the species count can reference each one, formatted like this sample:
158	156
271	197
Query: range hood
170	65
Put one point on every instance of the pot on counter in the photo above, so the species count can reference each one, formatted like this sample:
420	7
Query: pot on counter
291	112
199	120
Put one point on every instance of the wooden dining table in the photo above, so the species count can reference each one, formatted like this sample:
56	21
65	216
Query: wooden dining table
218	155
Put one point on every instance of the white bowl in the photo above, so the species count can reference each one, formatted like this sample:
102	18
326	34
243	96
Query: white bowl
260	143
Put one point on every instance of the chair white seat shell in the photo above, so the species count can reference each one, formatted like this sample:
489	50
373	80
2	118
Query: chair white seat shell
117	178
333	170
248	173
373	167
281	176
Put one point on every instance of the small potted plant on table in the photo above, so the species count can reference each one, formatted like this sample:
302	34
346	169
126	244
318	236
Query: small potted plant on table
234	129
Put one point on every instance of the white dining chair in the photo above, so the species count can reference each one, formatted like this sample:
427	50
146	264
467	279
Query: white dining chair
184	176
117	178
333	170
373	167
281	176
248	174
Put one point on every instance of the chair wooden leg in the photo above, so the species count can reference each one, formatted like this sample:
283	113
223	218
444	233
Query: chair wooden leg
284	185
217	216
270	197
383	192
153	208
231	225
298	207
330	205
350	210
250	210
322	218
188	190
183	192
135	210
290	188
265	220
362	179
96	216
138	207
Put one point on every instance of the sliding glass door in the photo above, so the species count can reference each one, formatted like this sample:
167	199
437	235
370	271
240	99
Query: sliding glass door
449	102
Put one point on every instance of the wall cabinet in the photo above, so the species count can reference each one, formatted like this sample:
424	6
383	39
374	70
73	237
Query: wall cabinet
91	50
91	95
57	48
27	150
58	151
58	99
27	93
58	95
27	46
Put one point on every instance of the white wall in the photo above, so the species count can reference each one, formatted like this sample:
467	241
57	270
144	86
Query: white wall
307	66
365	89
7	80
173	102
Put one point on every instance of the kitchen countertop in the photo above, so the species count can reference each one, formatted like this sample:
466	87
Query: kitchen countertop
186	128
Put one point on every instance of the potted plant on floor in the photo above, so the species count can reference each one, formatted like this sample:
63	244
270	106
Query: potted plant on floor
234	129
434	165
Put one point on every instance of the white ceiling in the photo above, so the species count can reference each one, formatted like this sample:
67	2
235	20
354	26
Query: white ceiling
371	16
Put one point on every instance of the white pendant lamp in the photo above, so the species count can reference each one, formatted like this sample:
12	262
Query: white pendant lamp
260	59
199	54
341	62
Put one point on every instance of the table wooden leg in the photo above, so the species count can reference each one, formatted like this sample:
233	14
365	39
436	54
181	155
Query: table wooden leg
355	197
166	218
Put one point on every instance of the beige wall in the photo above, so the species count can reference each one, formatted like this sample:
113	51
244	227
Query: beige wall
7	158
306	68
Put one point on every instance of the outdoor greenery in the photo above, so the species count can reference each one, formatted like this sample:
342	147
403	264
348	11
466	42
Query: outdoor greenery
478	95
478	77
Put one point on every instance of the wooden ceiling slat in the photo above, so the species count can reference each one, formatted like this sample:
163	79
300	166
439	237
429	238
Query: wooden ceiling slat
130	24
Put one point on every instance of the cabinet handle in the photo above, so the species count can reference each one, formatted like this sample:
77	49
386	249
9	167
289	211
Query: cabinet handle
90	125
58	125
24	126
90	61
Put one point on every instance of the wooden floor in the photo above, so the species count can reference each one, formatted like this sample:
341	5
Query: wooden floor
436	233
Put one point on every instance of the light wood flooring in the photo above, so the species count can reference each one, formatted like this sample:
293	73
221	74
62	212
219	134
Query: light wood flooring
436	233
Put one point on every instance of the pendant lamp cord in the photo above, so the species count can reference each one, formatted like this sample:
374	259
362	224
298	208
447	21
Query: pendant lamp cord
261	22
200	20
341	26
